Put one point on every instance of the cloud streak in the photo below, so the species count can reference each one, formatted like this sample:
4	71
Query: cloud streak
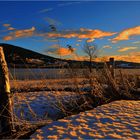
67	4
19	34
126	34
131	57
126	49
57	6
6	25
107	47
83	33
136	42
52	21
10	28
46	10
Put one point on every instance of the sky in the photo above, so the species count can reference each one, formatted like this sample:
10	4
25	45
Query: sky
53	27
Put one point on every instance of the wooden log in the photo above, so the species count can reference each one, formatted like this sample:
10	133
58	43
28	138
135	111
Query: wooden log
6	102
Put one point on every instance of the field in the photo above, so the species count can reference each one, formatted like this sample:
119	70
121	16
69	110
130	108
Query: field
69	69
39	74
44	96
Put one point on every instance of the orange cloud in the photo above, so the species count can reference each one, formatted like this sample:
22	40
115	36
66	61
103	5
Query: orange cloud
78	58
6	38
11	28
64	51
126	34
6	25
19	33
83	33
61	51
55	46
126	49
131	57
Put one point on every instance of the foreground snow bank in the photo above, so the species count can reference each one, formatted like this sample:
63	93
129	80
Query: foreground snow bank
119	119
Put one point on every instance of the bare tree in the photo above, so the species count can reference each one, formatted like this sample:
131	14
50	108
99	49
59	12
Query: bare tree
91	50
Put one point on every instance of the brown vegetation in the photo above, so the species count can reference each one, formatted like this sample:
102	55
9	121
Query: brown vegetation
72	95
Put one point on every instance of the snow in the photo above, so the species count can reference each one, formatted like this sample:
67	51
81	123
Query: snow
33	106
116	120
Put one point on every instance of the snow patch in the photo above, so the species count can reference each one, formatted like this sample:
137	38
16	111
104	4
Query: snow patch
116	120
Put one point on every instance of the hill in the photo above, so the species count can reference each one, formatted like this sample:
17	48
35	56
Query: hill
19	57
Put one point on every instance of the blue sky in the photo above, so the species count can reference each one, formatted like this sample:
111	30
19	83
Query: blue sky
104	23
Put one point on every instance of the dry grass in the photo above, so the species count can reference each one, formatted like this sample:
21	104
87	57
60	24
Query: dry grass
99	86
93	89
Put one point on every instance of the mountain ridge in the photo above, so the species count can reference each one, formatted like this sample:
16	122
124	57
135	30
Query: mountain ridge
21	58
18	55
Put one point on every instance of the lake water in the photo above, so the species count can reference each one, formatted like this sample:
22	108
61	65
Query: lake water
37	73
21	74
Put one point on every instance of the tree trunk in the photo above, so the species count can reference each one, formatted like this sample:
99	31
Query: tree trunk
6	102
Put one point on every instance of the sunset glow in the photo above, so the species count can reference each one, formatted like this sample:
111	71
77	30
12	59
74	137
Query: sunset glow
114	26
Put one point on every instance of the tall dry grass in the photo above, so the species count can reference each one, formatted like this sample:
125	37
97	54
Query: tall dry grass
70	96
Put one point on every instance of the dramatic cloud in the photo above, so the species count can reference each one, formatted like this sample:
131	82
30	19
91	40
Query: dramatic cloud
83	33
64	51
61	51
126	49
107	47
19	33
126	34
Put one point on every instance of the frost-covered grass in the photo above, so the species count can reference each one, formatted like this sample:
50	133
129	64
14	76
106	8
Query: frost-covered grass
116	120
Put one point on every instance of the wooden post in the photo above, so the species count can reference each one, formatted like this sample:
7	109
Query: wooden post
6	102
112	66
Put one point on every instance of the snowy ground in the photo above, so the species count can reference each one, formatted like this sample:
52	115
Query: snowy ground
33	106
116	120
